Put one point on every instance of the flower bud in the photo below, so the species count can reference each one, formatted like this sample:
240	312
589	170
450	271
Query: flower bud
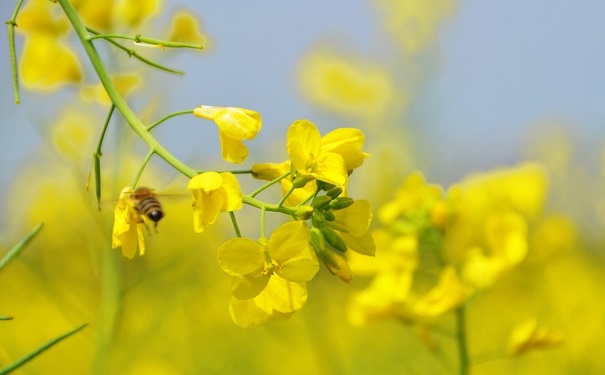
320	202
317	240
328	215
301	180
304	212
336	264
341	202
334	239
334	192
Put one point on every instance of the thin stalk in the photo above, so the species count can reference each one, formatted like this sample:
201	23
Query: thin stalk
463	356
12	253
133	53
133	121
28	357
268	207
97	158
189	111
234	222
144	40
11	24
142	168
268	185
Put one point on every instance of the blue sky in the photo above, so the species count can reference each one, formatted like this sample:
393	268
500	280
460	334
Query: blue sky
501	67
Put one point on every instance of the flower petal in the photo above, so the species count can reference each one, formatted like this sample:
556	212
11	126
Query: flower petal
249	286
240	257
232	150
304	141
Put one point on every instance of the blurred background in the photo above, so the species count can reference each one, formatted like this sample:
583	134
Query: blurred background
447	87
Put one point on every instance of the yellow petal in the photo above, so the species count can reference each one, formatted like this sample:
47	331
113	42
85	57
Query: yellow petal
232	193
207	181
346	142
330	168
240	257
250	286
304	141
232	150
185	28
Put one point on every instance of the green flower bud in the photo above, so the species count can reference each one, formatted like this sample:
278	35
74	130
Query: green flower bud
341	202
334	239
301	180
304	212
328	215
337	265
320	202
317	240
334	192
335	225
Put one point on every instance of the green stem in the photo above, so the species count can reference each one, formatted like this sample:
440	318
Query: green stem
189	111
133	53
234	222
97	157
142	168
133	121
12	253
11	24
268	185
28	357
283	199
144	40
6	317
463	356
263	216
268	207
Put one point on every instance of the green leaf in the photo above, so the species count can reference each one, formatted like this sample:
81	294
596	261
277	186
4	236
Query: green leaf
20	246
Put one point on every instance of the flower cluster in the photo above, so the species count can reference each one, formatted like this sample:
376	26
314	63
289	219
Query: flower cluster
270	275
438	249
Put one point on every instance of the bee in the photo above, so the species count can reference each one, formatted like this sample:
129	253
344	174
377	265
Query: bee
146	203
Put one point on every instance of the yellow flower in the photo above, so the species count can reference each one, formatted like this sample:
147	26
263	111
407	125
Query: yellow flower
128	226
347	85
234	126
213	193
309	158
446	296
529	336
44	47
270	279
356	220
271	171
185	29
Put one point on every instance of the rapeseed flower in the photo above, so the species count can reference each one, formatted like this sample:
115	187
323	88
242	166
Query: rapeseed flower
128	226
234	126
213	193
269	276
327	159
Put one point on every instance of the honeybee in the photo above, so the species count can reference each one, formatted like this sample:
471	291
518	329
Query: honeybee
146	203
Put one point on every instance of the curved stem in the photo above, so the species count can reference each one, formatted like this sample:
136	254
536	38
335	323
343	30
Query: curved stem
168	117
133	53
133	121
144	40
142	168
268	185
268	207
234	222
97	158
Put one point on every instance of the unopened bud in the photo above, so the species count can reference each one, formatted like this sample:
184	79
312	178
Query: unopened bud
304	212
328	215
334	192
334	239
341	202
301	180
336	264
319	202
317	240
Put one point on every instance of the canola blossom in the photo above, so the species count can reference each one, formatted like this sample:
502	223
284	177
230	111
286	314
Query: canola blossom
269	278
212	194
234	126
128	226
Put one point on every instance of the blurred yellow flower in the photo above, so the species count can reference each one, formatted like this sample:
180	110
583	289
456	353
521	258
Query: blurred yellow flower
125	83
44	32
530	336
128	226
286	255
72	136
449	293
213	193
234	126
414	23
346	85
132	13
308	156
185	28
